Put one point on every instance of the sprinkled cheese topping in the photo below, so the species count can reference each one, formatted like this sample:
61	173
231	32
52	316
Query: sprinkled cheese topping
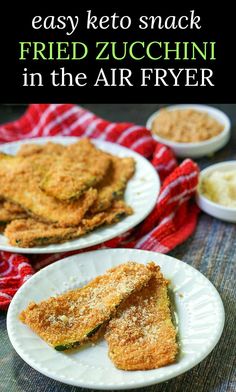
74	315
137	321
141	335
63	318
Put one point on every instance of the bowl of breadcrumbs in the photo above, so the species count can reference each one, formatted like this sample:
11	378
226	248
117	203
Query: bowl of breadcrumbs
190	130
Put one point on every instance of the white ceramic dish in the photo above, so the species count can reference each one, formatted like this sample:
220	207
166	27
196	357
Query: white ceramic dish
196	150
198	305
218	211
141	194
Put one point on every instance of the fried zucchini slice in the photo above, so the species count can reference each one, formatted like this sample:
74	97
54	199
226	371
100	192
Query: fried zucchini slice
27	233
13	208
29	149
73	318
113	185
10	212
19	183
78	168
142	336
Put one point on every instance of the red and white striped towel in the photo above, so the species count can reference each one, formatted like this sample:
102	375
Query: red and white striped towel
171	222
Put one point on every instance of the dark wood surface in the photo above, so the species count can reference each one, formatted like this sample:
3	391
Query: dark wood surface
212	250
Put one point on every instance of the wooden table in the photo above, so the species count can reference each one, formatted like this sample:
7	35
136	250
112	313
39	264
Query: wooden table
212	250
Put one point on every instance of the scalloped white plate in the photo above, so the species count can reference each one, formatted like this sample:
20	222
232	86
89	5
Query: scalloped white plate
198	305
141	194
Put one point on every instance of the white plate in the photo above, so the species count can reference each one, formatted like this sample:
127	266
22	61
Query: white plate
219	211
200	149
198	305
141	194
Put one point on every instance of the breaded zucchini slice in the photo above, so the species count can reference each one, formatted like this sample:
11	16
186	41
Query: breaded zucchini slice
10	212
73	318
29	149
142	336
19	183
27	233
78	168
13	208
112	187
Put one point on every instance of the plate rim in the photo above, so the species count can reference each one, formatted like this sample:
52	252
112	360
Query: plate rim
53	249
139	383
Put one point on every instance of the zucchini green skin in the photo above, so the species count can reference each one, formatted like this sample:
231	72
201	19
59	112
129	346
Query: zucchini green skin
64	347
41	241
68	346
4	223
94	330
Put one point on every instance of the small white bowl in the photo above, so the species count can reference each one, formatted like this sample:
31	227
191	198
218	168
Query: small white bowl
199	149
214	209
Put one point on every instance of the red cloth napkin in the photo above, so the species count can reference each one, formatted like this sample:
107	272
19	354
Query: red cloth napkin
171	222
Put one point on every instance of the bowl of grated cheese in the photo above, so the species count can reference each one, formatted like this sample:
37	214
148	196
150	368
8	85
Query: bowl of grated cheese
216	193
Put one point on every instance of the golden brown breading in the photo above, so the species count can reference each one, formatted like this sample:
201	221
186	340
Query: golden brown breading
118	210
72	170
13	208
29	149
19	183
70	319
10	213
141	336
26	233
113	185
79	167
29	232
